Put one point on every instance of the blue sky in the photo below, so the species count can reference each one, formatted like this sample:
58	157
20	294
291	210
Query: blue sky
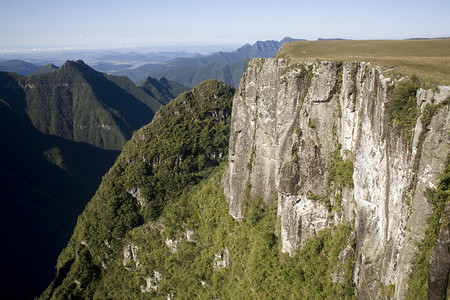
100	23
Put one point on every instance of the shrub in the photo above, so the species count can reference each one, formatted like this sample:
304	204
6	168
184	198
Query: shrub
438	198
402	109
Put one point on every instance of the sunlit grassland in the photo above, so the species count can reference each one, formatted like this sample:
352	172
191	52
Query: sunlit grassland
429	59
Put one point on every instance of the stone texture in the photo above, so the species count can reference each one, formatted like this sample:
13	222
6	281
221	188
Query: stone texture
222	260
151	282
136	193
440	260
130	260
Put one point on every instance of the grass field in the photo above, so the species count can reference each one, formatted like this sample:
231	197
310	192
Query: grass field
429	59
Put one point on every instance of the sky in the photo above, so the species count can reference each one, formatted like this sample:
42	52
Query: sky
110	23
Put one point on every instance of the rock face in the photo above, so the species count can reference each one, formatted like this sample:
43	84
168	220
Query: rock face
440	261
289	121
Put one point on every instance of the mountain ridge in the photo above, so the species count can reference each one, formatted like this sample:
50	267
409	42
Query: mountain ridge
233	63
78	103
45	69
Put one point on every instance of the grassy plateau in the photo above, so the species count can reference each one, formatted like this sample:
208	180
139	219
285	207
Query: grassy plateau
428	58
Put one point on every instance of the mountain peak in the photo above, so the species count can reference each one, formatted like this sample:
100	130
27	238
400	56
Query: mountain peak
74	66
45	69
74	63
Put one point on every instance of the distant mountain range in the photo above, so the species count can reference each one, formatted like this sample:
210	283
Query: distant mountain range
224	66
18	66
188	69
60	133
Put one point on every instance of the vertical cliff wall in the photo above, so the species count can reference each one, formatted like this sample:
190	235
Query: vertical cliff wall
317	138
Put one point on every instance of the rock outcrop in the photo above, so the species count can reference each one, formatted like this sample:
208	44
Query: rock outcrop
291	123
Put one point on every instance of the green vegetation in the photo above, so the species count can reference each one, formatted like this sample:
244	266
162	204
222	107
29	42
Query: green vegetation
163	90
339	79
185	141
45	69
77	103
324	199
49	175
341	171
306	76
402	109
298	133
223	258
387	291
430	110
340	175
312	123
438	197
425	58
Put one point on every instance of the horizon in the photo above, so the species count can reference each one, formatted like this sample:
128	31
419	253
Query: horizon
102	24
94	55
193	48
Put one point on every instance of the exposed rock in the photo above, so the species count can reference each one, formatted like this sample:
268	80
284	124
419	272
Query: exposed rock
289	119
222	260
439	265
151	283
130	260
136	193
302	219
190	235
172	244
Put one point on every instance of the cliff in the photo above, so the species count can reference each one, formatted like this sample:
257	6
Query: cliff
336	143
315	180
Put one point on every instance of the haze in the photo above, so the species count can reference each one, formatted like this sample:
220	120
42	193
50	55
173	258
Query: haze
107	24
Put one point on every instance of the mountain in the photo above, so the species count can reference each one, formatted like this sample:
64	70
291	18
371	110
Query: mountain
78	103
47	177
224	66
163	90
331	181
45	69
189	75
18	66
181	146
263	48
